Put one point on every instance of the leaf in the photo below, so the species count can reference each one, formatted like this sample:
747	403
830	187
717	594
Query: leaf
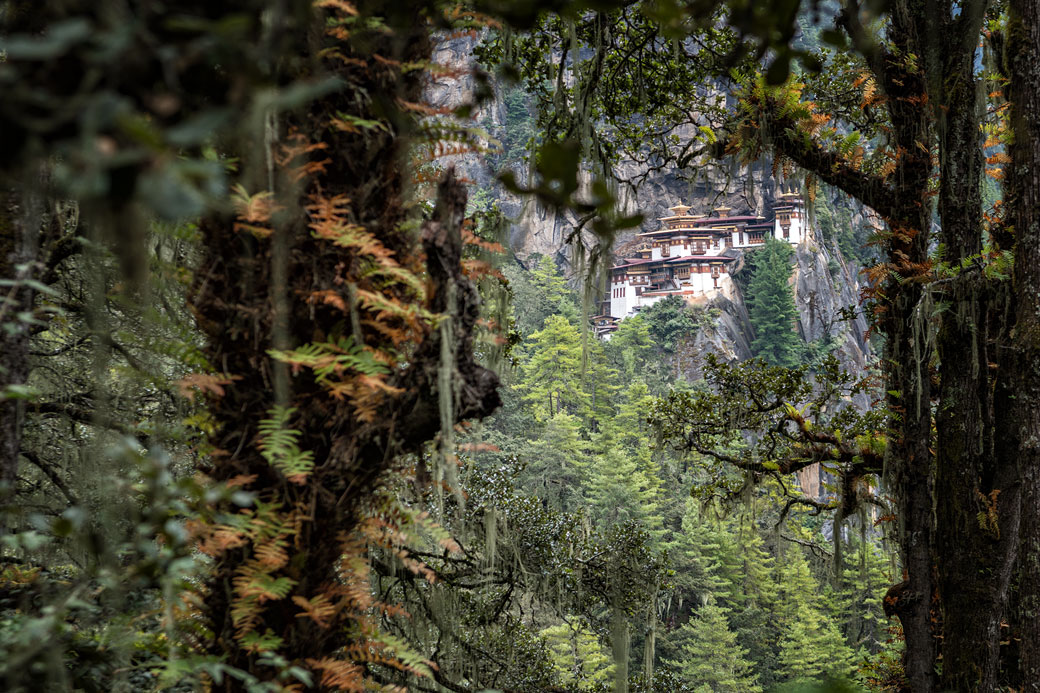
60	36
211	383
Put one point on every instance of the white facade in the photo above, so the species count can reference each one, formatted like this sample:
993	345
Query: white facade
623	299
690	256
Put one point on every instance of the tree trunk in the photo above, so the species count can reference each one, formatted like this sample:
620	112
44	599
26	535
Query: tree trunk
17	251
359	434
974	479
907	358
1024	58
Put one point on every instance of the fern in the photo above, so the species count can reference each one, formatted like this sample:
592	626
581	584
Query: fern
278	446
333	358
257	643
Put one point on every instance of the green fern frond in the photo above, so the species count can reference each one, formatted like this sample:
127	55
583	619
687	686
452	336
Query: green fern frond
278	446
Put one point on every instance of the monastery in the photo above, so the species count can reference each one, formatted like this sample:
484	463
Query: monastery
692	255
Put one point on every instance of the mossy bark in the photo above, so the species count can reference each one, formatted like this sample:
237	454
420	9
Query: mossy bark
235	302
975	475
1024	63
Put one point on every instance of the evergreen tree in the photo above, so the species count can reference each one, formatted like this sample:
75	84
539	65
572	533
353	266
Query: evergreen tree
547	277
631	348
750	591
771	306
811	646
552	379
578	657
600	384
711	659
698	550
622	489
557	466
669	322
865	581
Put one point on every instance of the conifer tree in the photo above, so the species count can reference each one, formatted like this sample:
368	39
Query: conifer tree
710	657
811	646
630	420
771	306
750	592
552	374
579	658
697	551
600	384
547	277
865	581
557	462
621	489
631	347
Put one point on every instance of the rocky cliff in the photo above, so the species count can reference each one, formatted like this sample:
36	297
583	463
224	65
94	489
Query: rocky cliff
825	283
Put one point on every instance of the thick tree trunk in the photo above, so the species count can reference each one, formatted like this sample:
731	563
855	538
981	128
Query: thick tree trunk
1024	59
367	174
973	477
907	359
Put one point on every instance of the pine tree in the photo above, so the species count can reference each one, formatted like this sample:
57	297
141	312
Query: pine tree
579	658
557	462
811	646
697	551
771	306
631	348
548	278
552	379
710	657
621	489
866	579
750	592
600	384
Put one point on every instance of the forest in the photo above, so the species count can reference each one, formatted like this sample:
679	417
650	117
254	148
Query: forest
318	373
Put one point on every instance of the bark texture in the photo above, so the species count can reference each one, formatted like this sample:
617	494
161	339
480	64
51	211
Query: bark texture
1024	62
975	474
236	300
17	252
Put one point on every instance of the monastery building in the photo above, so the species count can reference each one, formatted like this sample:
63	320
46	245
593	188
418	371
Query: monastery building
692	255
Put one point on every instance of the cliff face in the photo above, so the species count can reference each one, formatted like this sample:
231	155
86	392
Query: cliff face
825	288
538	230
824	283
826	293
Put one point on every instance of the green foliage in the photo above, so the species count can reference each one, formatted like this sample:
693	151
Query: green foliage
710	656
553	382
771	306
811	647
553	285
279	446
578	656
669	322
518	132
331	359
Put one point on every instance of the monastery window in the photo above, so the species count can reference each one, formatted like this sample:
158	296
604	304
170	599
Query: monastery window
715	271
